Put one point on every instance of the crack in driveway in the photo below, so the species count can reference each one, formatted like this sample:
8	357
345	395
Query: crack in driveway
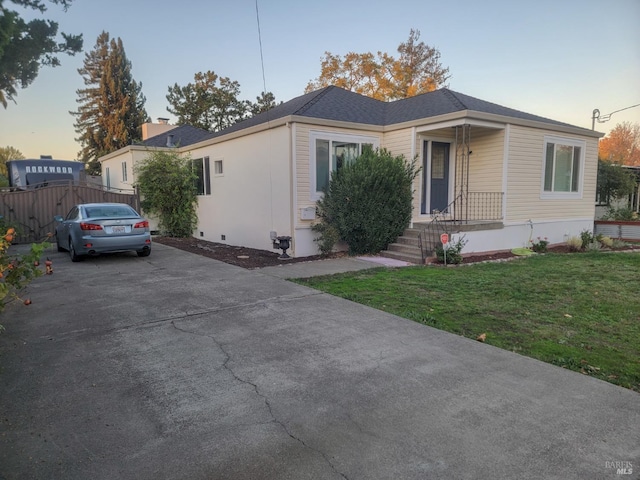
177	316
256	389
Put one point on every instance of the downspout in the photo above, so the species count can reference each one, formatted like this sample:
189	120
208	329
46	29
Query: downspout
293	187
413	157
505	174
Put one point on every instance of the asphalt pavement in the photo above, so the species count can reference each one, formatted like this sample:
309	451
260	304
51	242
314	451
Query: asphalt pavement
176	366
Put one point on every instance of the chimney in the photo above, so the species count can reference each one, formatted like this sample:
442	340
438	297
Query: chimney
153	129
170	140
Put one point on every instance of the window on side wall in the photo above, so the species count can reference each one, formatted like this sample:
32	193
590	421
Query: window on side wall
124	171
563	168
203	181
330	152
218	168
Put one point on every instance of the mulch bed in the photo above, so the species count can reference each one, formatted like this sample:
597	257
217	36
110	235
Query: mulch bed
251	258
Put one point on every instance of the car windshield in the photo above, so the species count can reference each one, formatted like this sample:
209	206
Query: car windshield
110	211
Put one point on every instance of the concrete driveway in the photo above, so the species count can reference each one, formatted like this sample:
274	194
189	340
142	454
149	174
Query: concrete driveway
176	366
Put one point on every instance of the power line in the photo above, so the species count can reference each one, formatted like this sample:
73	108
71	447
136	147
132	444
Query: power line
607	117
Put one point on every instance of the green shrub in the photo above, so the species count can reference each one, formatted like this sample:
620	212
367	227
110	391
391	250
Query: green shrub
539	245
327	237
623	214
453	252
617	243
368	202
594	246
587	237
167	185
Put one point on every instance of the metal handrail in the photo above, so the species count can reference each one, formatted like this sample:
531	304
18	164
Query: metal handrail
465	207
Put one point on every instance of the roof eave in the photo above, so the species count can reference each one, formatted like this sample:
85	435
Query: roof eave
464	116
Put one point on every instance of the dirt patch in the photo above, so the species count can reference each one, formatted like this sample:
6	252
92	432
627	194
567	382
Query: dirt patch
249	258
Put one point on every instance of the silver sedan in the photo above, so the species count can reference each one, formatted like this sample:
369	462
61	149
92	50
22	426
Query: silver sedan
94	228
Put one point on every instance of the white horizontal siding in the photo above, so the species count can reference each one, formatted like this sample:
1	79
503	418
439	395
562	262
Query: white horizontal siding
525	173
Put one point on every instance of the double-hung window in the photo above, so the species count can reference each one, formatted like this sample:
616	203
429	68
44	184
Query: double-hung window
330	152
563	167
203	175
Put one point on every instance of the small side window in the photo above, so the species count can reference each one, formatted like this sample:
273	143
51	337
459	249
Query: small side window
218	167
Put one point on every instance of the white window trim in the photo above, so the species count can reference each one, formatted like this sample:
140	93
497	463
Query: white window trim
206	175
215	161
331	137
573	142
124	172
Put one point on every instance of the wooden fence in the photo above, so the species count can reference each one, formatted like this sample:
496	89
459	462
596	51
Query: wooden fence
31	211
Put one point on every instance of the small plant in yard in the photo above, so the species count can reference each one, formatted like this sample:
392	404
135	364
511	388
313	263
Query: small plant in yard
539	245
594	246
574	244
453	252
16	271
607	242
327	237
617	243
624	214
587	237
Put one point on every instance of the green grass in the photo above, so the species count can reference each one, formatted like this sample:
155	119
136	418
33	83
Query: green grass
579	311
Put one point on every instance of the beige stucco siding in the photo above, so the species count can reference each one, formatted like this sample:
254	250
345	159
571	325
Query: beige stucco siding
113	176
525	174
252	196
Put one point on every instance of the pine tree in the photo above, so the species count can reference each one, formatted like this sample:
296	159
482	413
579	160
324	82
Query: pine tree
111	111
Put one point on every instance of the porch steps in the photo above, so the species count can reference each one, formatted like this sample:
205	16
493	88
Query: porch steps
407	246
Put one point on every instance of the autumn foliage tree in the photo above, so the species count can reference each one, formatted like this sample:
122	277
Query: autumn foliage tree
621	145
416	70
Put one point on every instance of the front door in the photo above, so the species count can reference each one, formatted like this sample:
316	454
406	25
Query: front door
436	185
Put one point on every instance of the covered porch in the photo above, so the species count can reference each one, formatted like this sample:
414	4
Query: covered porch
462	172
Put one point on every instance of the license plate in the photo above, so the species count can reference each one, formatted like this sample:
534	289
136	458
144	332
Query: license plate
118	229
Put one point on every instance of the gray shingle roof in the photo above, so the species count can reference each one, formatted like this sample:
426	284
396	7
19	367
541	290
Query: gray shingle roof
334	103
183	135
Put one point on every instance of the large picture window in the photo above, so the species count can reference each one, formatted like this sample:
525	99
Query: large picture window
203	182
330	152
563	166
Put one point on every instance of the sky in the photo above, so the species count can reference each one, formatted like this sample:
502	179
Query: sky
560	59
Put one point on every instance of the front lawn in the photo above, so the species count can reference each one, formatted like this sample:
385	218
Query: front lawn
579	311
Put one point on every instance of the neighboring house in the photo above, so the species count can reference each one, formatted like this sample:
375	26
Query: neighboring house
631	201
481	163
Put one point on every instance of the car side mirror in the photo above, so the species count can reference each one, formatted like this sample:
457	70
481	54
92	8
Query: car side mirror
58	218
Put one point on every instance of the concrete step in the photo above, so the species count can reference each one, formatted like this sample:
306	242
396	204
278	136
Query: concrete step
404	248
417	259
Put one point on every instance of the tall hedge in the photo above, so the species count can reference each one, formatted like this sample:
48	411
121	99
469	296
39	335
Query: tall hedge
167	185
369	201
